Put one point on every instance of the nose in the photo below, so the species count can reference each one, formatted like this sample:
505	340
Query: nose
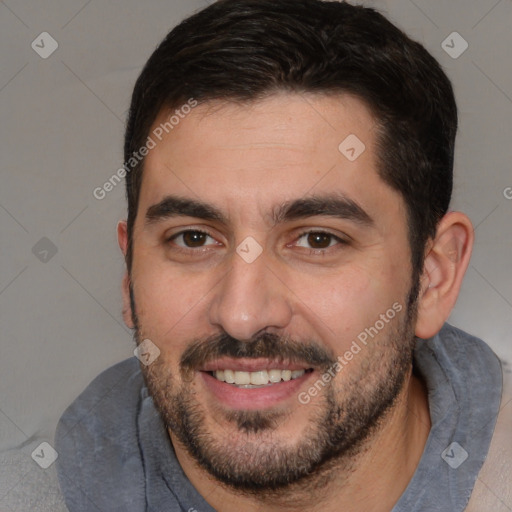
249	299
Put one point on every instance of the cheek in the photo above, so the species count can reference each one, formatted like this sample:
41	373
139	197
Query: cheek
168	304
340	306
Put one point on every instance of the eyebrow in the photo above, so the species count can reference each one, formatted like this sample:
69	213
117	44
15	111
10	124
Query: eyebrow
337	206
174	206
334	205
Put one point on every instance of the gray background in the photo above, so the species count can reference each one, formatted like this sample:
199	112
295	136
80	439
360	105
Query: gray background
62	121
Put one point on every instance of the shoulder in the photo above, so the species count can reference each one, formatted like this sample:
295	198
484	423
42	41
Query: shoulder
493	488
117	389
97	441
480	385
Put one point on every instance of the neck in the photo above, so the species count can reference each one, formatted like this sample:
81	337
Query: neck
373	480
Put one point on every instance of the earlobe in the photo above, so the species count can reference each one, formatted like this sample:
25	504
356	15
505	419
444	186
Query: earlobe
445	264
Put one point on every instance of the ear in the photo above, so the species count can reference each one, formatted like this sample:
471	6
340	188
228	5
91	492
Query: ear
122	239
446	261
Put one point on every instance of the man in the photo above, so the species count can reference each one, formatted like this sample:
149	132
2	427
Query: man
291	264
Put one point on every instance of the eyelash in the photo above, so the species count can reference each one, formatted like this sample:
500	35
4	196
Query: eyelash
338	239
201	250
188	250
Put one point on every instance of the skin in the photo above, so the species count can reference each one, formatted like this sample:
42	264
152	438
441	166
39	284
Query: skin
246	160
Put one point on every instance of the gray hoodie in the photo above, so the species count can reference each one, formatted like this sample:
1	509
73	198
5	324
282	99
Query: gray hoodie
115	454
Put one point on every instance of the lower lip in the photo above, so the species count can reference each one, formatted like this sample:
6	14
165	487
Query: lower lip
254	398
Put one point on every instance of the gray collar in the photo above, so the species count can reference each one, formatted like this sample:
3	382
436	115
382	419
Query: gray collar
464	382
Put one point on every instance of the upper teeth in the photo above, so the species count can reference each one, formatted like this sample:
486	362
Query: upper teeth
259	378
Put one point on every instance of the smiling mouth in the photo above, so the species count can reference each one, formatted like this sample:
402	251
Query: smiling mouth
257	379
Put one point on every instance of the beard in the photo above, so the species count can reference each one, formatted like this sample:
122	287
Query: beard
249	455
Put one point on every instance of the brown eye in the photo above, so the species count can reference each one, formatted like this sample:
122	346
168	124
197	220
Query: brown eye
192	239
317	240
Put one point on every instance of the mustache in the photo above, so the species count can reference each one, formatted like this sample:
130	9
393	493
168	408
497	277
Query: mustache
266	345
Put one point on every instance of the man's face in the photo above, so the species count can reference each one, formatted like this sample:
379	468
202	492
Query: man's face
261	253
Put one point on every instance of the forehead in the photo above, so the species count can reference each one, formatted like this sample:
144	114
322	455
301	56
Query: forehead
264	152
